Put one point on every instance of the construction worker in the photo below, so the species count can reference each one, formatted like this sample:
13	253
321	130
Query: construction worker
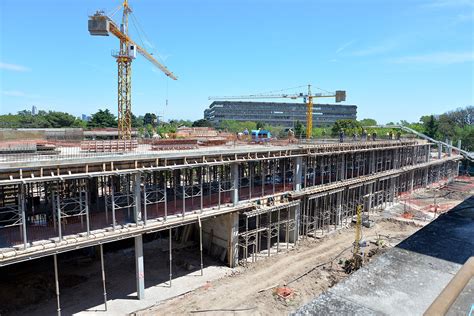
341	136
399	135
364	135
374	136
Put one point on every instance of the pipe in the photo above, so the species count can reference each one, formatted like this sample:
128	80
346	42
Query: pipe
443	302
103	274
56	279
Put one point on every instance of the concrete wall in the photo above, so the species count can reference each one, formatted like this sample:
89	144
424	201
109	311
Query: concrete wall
219	237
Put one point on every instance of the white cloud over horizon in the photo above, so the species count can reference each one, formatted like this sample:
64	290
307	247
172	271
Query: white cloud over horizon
17	93
436	58
14	67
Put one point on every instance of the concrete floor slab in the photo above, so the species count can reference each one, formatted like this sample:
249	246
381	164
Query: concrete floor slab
331	304
406	279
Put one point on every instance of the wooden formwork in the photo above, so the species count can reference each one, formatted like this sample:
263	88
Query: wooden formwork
109	145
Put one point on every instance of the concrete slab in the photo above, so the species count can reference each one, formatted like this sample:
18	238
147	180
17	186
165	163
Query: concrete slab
331	304
394	287
406	279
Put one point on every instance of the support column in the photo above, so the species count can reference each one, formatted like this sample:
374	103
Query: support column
440	150
235	183
139	267
298	173
233	239
200	244
102	266
56	281
23	215
459	144
428	153
450	149
137	198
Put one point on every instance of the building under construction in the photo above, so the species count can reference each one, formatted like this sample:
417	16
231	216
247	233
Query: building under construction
242	199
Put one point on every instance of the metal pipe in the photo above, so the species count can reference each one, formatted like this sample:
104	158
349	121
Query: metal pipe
103	274
58	209
200	243
23	215
443	302
56	279
171	258
112	191
88	227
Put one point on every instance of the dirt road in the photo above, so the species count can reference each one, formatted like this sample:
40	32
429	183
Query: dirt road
241	293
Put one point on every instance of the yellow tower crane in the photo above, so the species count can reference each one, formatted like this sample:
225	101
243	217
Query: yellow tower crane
339	95
101	24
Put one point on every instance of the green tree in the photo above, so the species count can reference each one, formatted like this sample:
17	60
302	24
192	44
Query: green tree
137	122
300	130
102	118
368	122
446	126
60	119
237	126
202	123
149	130
348	126
260	125
149	118
430	126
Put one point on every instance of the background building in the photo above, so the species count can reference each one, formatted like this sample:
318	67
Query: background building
34	110
281	114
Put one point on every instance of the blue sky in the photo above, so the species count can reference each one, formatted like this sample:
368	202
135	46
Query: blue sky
397	59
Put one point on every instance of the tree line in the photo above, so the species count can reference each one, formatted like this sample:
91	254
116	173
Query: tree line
454	125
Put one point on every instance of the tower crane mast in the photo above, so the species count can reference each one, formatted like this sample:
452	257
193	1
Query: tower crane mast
101	24
308	97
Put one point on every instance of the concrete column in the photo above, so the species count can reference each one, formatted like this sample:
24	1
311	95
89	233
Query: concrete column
298	173
233	240
295	214
450	149
440	150
459	144
428	153
139	267
412	175
235	183
137	198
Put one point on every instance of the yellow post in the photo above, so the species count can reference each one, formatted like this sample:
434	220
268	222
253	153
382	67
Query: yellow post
358	230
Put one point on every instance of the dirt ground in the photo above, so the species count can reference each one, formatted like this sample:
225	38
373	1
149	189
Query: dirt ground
252	290
311	268
302	272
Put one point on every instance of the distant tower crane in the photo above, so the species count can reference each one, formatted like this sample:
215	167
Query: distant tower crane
340	95
102	25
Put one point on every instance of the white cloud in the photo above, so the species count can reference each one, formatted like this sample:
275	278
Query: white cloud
16	93
14	67
376	49
345	45
436	58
